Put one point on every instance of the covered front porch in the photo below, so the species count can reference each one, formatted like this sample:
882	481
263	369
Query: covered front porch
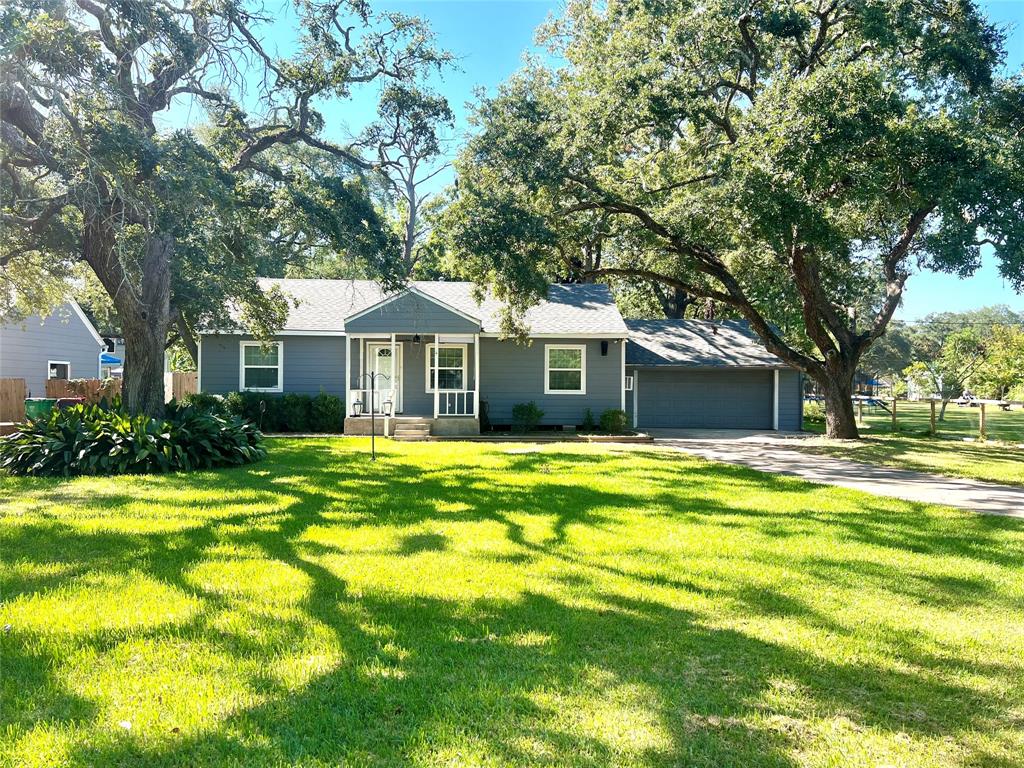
412	377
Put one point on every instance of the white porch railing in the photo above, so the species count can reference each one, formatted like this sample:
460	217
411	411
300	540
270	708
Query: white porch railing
361	400
455	402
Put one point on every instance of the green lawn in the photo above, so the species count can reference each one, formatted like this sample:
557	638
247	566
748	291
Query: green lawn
464	604
954	452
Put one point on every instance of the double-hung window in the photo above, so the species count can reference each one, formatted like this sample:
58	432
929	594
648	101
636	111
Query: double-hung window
446	367
565	369
260	366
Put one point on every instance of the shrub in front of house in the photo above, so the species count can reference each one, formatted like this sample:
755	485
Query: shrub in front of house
327	413
295	412
614	421
92	440
204	401
288	413
526	416
589	423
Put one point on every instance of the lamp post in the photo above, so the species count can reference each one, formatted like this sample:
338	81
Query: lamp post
373	378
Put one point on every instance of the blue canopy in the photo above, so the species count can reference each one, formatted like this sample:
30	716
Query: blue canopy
108	359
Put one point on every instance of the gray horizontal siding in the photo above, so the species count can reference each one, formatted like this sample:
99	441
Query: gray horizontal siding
705	399
512	373
790	400
311	363
26	347
686	398
411	313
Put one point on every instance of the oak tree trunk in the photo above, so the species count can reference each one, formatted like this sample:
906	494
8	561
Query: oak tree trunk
144	368
144	310
840	418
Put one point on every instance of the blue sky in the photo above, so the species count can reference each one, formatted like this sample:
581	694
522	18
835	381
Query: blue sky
489	37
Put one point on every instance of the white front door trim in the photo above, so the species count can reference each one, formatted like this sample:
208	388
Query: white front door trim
394	383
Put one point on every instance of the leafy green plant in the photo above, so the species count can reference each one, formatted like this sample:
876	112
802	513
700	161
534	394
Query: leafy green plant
246	405
90	440
203	401
589	423
327	413
296	412
526	416
614	421
814	412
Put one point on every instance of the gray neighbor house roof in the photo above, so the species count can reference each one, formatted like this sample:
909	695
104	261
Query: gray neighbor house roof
323	305
697	344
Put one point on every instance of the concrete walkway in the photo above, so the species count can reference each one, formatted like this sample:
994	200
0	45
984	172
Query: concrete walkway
768	452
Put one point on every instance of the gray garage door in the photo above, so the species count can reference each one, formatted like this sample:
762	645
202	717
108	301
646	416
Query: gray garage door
704	399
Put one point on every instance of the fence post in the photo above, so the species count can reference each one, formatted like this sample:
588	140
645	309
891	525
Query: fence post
932	404
981	422
860	411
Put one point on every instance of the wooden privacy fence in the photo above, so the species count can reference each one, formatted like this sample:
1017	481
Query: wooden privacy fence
177	384
93	390
12	401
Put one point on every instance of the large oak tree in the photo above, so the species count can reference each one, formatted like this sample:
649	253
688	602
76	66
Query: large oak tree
792	162
175	223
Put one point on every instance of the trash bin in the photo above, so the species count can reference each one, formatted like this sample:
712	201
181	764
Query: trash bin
39	407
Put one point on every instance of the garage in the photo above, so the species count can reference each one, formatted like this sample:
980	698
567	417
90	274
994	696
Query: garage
695	374
684	399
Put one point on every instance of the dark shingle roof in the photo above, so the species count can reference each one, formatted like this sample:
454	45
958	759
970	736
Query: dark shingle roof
696	343
323	305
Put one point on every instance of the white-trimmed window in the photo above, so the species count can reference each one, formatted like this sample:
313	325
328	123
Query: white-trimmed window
58	369
565	369
260	366
446	365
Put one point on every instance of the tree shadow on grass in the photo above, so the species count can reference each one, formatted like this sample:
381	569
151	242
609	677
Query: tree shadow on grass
521	680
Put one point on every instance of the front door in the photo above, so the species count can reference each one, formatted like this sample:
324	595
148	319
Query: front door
388	380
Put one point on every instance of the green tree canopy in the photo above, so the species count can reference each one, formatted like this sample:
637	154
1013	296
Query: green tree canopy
794	163
176	223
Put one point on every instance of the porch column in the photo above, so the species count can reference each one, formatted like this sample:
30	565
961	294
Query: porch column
430	364
394	384
622	376
346	397
476	375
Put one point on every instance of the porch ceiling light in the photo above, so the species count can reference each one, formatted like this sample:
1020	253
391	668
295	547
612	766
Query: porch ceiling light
416	340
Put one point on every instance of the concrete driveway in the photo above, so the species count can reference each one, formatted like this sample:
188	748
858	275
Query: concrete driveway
773	452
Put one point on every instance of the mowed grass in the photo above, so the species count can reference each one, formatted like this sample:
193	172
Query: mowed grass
462	605
955	451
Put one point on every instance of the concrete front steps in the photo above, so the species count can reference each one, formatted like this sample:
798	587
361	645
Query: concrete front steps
412	430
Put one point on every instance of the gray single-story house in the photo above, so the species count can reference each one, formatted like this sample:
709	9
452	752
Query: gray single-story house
62	345
431	353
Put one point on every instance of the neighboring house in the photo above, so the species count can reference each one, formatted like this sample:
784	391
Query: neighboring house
63	345
431	352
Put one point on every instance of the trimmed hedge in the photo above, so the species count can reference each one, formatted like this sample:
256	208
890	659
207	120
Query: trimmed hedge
92	440
614	421
288	413
526	416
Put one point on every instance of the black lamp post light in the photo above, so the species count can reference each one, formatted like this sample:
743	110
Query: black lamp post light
357	406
